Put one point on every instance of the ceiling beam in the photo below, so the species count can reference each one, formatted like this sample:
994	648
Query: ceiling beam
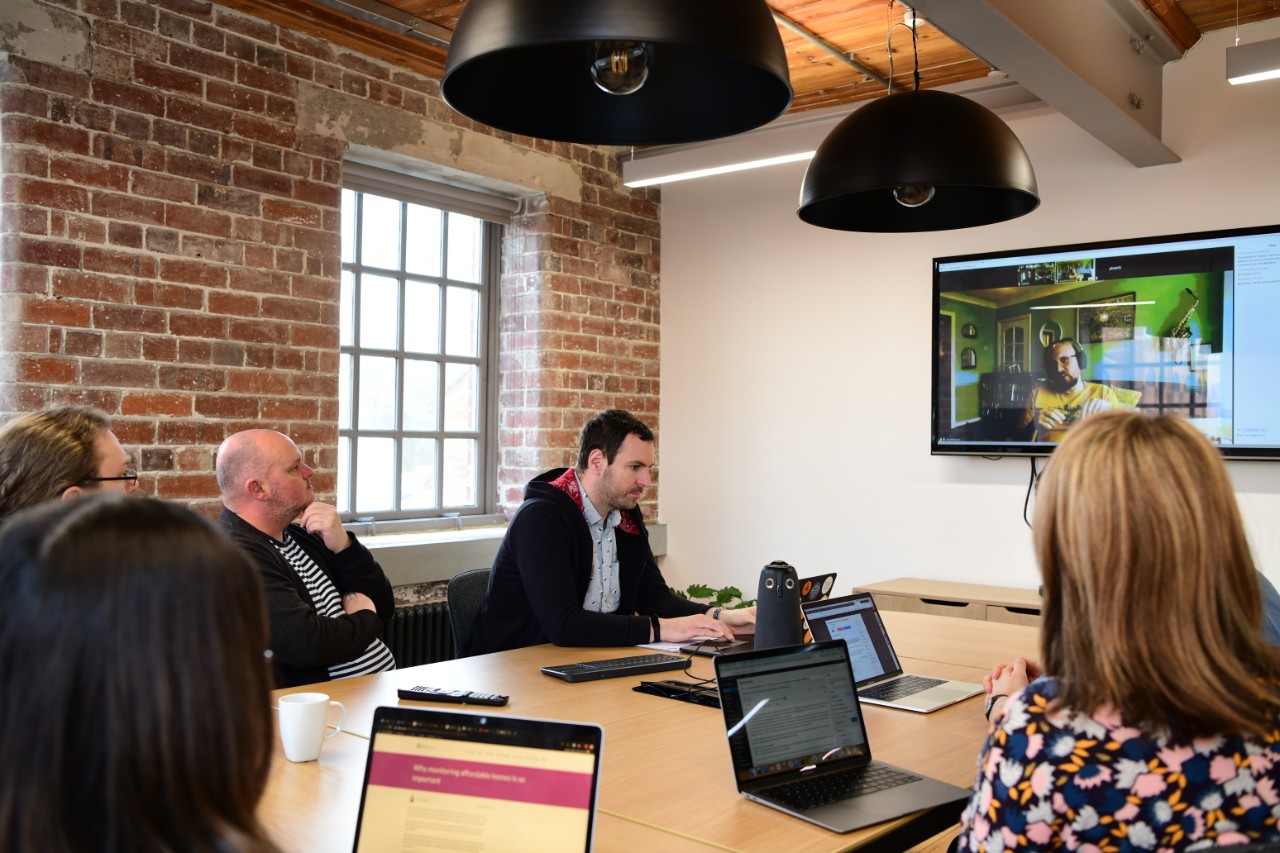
1098	62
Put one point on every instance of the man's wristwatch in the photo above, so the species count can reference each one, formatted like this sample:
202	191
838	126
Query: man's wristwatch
716	614
991	703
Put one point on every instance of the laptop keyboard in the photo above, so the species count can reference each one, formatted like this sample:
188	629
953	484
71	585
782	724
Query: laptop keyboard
907	685
833	787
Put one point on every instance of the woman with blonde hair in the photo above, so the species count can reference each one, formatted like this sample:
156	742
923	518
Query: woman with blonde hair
1155	720
136	698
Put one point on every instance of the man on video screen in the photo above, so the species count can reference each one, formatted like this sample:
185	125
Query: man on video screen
1064	398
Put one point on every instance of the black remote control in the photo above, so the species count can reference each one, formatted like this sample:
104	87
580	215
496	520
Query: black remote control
440	694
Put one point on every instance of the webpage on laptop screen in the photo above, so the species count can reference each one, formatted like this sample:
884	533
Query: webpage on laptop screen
427	793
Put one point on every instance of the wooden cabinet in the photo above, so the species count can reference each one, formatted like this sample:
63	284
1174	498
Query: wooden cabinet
962	600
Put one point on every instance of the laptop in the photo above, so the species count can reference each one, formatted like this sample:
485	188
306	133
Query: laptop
879	675
811	589
799	743
446	780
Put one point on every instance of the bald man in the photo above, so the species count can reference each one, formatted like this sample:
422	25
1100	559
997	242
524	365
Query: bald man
327	598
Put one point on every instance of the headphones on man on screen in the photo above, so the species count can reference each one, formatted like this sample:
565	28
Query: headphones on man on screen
1082	357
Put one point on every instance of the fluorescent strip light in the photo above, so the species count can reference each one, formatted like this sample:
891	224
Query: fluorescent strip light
720	170
1248	63
1090	305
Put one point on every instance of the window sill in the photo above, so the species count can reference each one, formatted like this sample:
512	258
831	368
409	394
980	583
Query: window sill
437	555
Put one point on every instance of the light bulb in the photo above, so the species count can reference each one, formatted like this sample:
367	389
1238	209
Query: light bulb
909	196
620	67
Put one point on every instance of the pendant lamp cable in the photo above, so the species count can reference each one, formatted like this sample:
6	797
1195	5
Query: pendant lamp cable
915	50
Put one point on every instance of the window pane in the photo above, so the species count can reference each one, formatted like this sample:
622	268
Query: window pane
377	393
346	309
380	233
459	472
348	226
422	243
461	397
462	322
344	474
421	317
376	464
421	395
379	308
345	364
418	481
464	247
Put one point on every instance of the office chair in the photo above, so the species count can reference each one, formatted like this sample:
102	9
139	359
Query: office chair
463	597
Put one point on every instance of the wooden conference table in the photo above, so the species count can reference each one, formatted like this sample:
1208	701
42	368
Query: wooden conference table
666	782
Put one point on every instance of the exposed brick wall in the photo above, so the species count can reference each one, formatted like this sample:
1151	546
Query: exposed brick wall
169	238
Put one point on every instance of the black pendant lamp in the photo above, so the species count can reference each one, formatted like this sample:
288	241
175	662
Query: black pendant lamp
918	161
617	72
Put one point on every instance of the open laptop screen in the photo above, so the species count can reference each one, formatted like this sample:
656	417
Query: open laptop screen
788	709
447	780
855	619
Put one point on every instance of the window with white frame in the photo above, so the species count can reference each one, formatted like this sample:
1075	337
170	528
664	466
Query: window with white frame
415	412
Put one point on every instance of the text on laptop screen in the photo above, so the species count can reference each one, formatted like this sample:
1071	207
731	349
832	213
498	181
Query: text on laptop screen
790	717
856	621
456	781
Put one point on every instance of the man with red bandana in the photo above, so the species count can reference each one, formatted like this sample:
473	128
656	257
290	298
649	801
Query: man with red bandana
575	567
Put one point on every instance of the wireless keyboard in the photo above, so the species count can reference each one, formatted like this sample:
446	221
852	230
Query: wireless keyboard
616	667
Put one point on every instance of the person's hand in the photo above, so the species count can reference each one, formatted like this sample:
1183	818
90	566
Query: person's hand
1093	406
742	619
687	627
354	602
322	520
1009	678
1050	419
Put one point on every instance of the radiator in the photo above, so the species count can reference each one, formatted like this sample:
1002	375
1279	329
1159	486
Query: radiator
420	634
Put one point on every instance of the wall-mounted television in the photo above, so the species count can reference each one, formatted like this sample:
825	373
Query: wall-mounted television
1031	341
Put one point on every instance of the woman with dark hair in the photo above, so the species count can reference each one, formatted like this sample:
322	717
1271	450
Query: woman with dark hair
1155	722
136	710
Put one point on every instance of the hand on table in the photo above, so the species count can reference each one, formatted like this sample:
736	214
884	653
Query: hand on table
700	625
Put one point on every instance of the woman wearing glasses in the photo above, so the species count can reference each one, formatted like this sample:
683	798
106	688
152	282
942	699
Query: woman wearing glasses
60	452
1154	722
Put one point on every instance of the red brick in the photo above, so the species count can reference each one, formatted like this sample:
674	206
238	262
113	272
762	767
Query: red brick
164	187
258	281
198	114
202	62
289	409
281	210
314	336
192	378
80	342
197	326
260	382
51	78
260	180
46	370
119	263
235	97
86	286
29	250
126	96
122	318
261	130
25	130
262	333
226	406
198	168
31	102
233	304
160	348
265	80
247	26
193	272
194	351
315	193
197	219
117	206
156	404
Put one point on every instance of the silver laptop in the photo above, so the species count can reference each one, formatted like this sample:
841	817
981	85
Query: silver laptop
879	675
445	780
799	743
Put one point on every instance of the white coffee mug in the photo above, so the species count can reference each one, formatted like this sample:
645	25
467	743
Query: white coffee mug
302	724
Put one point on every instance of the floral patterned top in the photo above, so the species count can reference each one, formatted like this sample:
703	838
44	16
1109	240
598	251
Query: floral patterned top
1070	781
